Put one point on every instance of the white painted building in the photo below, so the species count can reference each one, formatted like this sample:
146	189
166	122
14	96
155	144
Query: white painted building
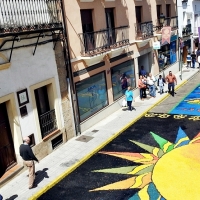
188	22
34	95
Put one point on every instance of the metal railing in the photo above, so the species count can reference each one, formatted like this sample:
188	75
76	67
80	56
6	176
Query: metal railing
29	15
48	123
93	43
171	21
187	30
144	30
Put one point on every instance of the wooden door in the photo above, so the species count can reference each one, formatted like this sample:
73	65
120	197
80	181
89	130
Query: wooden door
7	153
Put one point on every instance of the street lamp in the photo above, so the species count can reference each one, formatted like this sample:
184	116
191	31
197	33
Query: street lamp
181	57
161	19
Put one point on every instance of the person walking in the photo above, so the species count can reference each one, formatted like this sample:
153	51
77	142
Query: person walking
198	56
129	98
189	60
142	87
160	83
27	155
171	79
150	81
193	55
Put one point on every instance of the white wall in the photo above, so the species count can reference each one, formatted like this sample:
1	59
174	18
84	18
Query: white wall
27	70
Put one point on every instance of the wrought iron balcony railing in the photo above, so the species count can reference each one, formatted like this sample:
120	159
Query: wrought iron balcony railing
48	123
187	30
144	30
171	21
93	43
19	16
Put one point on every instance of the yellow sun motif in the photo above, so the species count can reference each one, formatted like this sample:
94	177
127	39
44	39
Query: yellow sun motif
170	172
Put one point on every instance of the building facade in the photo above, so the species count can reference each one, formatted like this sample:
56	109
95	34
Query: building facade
34	92
109	39
189	20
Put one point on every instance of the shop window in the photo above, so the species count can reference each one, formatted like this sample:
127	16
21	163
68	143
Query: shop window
91	95
167	55
123	75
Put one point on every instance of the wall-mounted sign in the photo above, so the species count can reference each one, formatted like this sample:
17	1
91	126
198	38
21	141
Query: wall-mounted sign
156	45
22	97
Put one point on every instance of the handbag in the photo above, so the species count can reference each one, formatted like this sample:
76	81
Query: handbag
124	103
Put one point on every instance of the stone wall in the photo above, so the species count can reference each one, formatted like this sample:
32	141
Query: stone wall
64	89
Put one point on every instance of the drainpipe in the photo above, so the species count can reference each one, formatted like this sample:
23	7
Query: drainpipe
69	73
179	47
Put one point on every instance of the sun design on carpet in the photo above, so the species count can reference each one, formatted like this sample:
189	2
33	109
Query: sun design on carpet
168	172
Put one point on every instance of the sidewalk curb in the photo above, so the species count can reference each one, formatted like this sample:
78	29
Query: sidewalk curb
72	168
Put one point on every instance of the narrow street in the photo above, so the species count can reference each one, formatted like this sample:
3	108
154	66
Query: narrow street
138	162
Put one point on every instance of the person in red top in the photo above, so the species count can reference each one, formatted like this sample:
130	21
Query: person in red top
171	79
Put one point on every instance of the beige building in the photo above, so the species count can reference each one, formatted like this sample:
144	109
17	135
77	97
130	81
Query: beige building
109	39
35	98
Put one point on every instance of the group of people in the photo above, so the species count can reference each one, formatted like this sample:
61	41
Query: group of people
192	58
150	82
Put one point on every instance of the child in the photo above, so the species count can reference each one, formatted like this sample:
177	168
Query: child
160	83
189	60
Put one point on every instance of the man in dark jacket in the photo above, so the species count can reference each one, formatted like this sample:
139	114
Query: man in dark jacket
27	154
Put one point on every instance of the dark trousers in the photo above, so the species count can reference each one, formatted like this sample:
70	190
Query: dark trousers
129	104
171	88
143	93
193	63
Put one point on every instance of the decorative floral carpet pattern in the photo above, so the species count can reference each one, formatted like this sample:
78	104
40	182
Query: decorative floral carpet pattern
156	158
190	105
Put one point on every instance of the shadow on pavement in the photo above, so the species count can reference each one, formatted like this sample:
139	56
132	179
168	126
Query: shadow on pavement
41	174
12	197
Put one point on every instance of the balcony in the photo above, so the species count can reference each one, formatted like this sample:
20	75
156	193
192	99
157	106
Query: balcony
94	45
187	30
171	21
48	123
25	17
144	31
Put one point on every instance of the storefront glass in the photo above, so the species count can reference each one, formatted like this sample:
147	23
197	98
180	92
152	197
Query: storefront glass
167	54
123	75
91	95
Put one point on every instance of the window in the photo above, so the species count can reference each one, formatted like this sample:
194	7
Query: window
168	10
158	11
91	95
167	55
47	116
123	75
86	18
138	12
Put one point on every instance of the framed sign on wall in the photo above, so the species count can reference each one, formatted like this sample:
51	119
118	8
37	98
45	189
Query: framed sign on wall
22	97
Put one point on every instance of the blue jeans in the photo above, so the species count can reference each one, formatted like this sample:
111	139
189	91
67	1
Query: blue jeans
171	88
193	63
152	90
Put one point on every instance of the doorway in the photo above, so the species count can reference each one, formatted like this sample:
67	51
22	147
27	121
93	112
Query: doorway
145	61
7	152
110	25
